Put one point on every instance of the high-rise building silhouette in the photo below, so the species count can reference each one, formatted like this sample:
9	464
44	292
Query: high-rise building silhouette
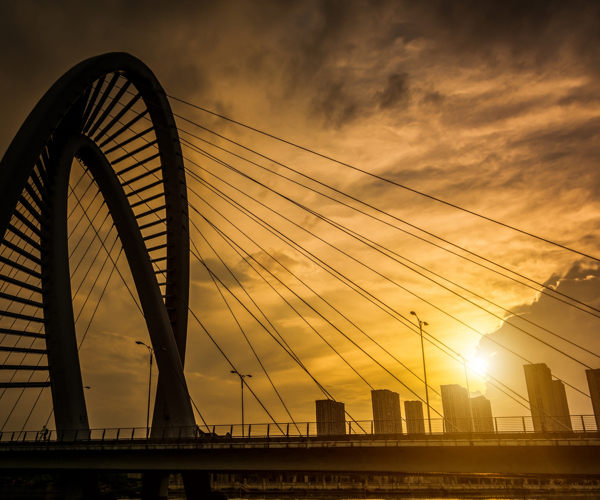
548	400
457	412
331	417
593	379
414	417
387	417
562	406
483	421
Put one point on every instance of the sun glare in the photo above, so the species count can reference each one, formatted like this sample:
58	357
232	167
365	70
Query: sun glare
480	366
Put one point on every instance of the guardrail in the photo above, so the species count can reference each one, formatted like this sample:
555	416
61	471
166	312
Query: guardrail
483	428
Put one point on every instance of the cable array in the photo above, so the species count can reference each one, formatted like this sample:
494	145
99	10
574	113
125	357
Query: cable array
270	213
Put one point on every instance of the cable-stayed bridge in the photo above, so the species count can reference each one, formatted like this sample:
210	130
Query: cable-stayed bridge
100	186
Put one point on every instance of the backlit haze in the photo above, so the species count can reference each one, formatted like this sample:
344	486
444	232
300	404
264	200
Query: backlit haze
491	106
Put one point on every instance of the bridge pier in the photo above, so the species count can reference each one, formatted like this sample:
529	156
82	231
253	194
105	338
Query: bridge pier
80	485
197	486
155	485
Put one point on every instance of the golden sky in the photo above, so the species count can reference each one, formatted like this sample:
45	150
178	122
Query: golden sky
492	106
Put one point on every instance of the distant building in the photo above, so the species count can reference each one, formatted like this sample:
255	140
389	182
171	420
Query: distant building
387	417
414	417
562	407
331	417
457	412
593	378
548	401
483	421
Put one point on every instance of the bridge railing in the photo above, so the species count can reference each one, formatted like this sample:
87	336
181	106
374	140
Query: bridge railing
526	425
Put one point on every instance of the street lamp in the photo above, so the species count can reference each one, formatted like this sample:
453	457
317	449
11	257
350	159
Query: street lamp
242	377
151	350
468	391
421	324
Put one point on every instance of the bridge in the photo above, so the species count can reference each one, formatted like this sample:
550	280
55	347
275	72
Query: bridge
107	125
377	454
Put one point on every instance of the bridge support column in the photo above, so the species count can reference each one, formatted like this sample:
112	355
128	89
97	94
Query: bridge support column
80	485
197	486
155	485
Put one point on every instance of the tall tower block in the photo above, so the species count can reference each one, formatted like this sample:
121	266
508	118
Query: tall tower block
331	417
593	379
387	416
457	412
542	398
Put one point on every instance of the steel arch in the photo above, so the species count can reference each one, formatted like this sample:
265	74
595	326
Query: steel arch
86	114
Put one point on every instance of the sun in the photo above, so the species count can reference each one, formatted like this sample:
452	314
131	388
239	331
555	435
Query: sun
480	366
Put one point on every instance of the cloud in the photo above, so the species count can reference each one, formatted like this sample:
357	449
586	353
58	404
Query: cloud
396	92
335	106
490	105
581	282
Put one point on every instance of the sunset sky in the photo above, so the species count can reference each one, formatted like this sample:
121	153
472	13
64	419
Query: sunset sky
490	106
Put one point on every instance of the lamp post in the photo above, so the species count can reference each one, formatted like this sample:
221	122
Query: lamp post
242	377
421	324
151	350
468	392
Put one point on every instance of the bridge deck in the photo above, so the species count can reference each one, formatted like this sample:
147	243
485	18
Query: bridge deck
373	454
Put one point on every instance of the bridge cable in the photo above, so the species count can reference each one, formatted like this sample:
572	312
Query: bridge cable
285	346
13	323
389	181
214	227
329	344
465	298
209	172
368	267
85	332
199	413
118	271
233	295
306	303
433	337
294	356
82	308
130	292
233	245
371	242
542	285
202	180
546	287
379	306
146	168
240	326
525	319
567	384
247	340
538	284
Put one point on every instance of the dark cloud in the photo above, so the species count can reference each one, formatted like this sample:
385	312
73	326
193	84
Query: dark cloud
396	92
582	95
433	98
335	106
490	105
487	109
405	31
535	32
